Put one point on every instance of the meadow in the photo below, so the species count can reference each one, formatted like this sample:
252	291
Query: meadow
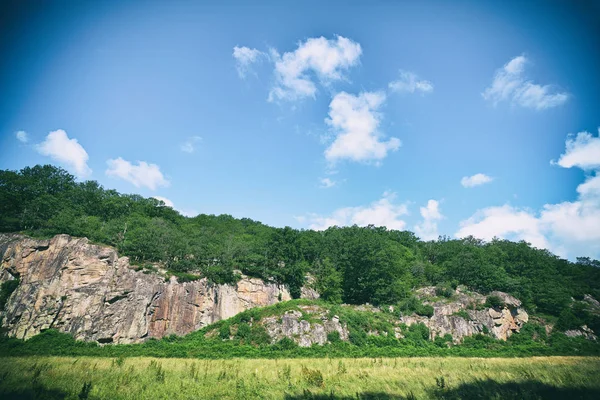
325	378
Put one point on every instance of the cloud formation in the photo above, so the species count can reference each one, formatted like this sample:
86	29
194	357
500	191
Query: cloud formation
510	84
169	203
427	229
354	120
383	212
65	151
245	57
475	180
22	136
570	228
583	152
409	83
325	59
327	183
189	146
142	174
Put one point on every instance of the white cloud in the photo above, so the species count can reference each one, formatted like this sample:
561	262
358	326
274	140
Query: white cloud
504	222
354	120
189	146
383	212
409	83
245	57
475	180
582	152
326	183
169	203
142	174
65	151
569	229
510	84
327	59
22	136
428	229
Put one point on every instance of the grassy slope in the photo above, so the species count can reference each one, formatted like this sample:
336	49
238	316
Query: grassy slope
147	378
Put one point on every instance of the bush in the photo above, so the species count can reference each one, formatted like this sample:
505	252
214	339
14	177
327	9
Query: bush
286	344
225	331
494	301
6	289
357	337
243	332
313	377
444	290
425	310
333	337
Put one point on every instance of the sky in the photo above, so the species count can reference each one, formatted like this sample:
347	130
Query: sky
443	118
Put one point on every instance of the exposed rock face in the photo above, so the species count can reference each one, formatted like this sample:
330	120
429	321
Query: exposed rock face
584	332
303	332
87	290
449	316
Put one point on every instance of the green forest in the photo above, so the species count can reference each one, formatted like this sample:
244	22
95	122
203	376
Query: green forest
352	265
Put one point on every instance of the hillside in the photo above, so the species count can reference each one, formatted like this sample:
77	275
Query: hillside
123	269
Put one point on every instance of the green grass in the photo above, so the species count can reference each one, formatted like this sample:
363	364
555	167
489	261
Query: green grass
366	378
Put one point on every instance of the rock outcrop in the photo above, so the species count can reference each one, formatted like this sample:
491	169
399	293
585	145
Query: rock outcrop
302	331
583	332
465	315
89	291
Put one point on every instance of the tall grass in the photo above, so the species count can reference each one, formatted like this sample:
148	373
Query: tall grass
369	378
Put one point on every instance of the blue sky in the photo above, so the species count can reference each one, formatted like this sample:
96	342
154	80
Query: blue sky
313	114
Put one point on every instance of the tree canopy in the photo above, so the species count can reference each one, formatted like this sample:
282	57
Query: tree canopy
351	264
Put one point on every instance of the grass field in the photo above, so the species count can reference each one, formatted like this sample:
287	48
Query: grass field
400	378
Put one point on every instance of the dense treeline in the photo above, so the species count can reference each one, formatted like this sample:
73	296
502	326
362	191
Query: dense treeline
350	264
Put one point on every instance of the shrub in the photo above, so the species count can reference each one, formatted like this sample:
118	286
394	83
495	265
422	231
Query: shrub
313	377
425	310
259	335
333	337
286	344
462	314
358	337
444	290
6	289
418	332
494	301
243	332
225	331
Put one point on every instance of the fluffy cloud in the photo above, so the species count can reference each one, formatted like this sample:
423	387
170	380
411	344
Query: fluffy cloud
326	59
354	121
569	229
504	222
428	229
510	84
65	151
582	152
409	83
326	183
189	146
142	174
22	136
383	212
475	180
169	203
245	57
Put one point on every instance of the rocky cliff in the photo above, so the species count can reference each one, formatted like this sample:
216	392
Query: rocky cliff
89	291
461	314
